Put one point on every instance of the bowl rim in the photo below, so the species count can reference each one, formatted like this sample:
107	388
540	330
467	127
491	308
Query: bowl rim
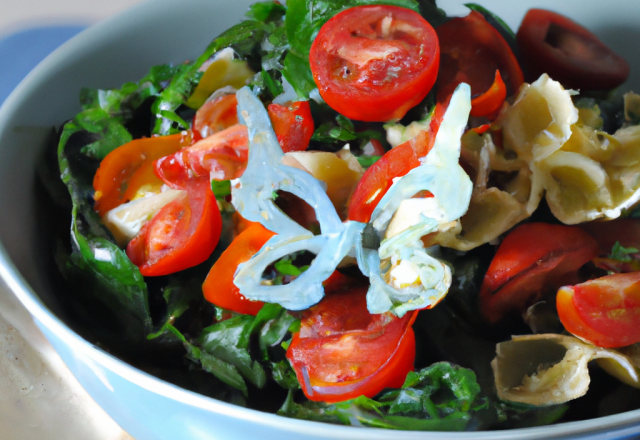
622	424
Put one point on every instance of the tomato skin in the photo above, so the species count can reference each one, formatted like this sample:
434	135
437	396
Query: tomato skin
182	234
471	52
342	352
293	125
218	287
221	156
533	258
489	103
569	53
397	162
123	171
215	116
368	67
604	311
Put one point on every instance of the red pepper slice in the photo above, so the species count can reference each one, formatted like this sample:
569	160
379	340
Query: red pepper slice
293	125
127	168
218	287
569	53
397	162
489	103
182	234
532	259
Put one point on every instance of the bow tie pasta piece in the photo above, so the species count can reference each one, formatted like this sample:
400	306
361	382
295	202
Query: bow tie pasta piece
492	209
549	369
594	175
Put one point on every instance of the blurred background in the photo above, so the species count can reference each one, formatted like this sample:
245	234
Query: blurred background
37	391
31	29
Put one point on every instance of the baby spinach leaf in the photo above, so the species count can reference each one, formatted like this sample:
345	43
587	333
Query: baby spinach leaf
121	103
110	285
441	397
226	348
243	37
229	341
343	130
265	11
283	375
298	72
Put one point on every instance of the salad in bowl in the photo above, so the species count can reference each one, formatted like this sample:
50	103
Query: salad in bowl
366	213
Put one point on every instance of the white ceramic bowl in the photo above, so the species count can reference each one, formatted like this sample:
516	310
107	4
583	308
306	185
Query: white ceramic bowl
122	49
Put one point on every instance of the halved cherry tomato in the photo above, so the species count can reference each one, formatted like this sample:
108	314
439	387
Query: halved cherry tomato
471	52
490	101
569	53
533	259
218	287
182	234
604	311
127	168
397	162
215	116
342	351
374	63
221	156
293	125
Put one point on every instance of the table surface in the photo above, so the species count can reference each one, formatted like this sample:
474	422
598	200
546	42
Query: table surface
37	390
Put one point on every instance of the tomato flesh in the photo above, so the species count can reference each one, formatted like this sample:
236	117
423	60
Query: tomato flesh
215	116
343	352
569	53
373	63
182	234
471	52
221	156
292	124
218	287
128	168
604	311
532	259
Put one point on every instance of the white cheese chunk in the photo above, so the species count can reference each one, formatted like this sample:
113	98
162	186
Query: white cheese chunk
126	220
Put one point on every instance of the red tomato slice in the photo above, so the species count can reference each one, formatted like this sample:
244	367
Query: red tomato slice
373	63
604	311
182	234
471	52
215	116
568	52
490	101
532	259
343	352
218	287
293	125
127	168
397	162
221	156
